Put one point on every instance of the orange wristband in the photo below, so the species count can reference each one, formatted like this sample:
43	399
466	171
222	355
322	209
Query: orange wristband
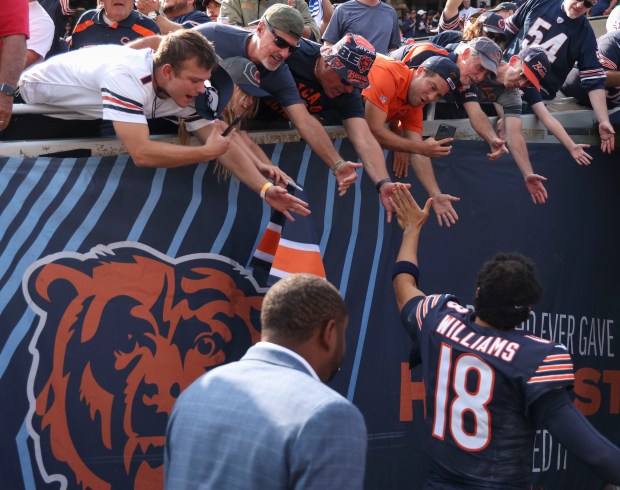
263	191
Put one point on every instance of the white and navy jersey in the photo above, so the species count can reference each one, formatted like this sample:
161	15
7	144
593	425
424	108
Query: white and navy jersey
451	24
480	386
567	41
103	82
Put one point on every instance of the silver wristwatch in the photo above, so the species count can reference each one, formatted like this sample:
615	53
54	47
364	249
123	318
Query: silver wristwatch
153	15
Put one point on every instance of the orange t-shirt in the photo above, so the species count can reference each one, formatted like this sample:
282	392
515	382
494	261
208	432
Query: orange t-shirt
389	83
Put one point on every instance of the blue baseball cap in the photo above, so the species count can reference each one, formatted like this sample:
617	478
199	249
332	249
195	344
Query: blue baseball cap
446	69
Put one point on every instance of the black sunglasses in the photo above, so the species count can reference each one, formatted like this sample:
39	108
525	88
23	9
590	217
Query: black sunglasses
280	42
588	4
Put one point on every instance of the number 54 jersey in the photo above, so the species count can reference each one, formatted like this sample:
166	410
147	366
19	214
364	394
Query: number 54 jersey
480	386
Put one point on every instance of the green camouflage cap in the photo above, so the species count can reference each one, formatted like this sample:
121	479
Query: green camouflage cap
286	19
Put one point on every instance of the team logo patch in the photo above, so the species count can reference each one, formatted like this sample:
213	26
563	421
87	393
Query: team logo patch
122	331
539	67
364	63
252	73
361	41
383	99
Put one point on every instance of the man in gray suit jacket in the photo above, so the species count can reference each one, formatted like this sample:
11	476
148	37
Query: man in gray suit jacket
268	422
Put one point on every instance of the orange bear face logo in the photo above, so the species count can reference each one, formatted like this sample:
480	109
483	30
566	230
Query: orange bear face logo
123	330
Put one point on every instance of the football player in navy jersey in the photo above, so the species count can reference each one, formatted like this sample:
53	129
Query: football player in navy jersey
489	386
562	29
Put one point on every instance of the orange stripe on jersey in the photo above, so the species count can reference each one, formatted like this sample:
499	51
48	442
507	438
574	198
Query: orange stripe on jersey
83	26
143	31
557	357
545	379
116	101
424	47
296	261
269	242
556	367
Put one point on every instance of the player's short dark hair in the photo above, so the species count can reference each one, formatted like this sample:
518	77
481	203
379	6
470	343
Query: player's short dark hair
295	307
508	287
183	45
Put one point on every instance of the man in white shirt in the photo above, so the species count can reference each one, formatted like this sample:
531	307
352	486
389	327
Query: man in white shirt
127	87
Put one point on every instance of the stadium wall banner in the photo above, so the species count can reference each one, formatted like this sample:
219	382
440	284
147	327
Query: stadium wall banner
120	285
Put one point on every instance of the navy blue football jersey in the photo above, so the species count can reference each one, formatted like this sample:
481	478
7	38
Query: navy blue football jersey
330	111
92	30
567	41
609	57
480	386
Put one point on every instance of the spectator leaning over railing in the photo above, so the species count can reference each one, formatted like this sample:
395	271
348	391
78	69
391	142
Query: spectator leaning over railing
173	14
276	36
14	31
375	20
563	30
244	103
128	86
397	94
476	60
246	13
330	79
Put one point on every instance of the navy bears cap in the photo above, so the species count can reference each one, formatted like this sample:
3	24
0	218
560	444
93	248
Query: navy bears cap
535	64
244	74
446	69
351	57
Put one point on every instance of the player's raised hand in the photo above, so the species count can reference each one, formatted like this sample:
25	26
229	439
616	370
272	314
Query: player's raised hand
386	191
409	215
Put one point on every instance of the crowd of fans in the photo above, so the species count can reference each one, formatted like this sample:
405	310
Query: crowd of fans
127	69
319	64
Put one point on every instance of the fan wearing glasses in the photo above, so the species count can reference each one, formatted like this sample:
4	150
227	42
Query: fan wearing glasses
565	32
330	79
276	37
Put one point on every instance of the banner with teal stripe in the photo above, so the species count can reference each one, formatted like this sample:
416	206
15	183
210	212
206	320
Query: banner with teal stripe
119	285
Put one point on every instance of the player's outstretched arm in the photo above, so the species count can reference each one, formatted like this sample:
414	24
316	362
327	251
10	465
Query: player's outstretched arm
577	434
411	219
